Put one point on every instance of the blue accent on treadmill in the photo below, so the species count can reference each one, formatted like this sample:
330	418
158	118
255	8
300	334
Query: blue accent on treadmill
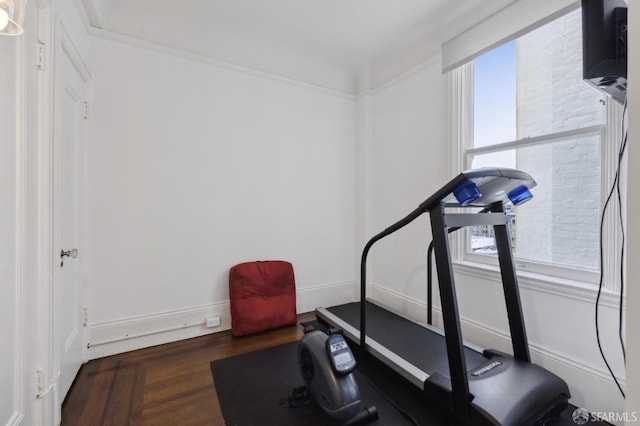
520	195
494	184
467	192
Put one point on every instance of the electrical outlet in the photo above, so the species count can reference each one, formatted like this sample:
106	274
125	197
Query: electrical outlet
213	322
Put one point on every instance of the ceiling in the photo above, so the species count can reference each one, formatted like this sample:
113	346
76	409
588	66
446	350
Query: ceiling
344	45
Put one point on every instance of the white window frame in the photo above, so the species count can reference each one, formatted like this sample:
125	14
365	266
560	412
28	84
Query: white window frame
461	92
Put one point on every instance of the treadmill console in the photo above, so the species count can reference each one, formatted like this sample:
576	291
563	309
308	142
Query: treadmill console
341	357
483	187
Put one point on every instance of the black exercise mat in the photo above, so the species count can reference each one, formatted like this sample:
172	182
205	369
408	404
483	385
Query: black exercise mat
253	389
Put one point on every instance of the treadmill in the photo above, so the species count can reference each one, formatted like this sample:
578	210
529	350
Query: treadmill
481	387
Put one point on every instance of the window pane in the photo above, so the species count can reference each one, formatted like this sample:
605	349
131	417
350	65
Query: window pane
533	86
551	94
560	225
495	96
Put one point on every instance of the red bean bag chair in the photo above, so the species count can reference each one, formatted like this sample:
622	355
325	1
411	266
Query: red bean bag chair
263	296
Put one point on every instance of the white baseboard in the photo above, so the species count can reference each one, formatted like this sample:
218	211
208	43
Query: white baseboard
128	334
591	387
310	298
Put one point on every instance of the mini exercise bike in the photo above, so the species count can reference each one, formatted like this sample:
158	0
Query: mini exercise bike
327	363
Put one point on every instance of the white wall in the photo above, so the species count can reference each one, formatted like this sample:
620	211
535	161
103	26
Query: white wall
633	209
75	21
8	248
244	42
409	162
194	167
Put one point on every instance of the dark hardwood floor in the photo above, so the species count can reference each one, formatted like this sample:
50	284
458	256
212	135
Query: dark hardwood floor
163	385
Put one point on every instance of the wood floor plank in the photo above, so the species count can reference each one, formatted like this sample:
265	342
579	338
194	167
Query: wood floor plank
123	394
194	408
163	385
77	398
99	392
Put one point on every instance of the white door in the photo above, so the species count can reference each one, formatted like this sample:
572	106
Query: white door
69	160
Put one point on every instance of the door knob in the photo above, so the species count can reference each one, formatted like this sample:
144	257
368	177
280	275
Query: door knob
73	253
69	253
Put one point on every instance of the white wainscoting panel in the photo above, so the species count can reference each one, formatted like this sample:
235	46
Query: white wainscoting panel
113	337
128	334
310	298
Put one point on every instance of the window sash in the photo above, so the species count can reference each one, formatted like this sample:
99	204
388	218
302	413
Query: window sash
461	88
539	268
537	140
557	270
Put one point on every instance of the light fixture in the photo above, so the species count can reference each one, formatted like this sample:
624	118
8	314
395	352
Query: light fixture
11	17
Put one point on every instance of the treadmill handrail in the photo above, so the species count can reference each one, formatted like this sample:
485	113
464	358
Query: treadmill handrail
422	208
363	264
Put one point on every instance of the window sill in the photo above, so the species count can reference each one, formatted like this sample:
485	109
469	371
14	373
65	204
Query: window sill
576	290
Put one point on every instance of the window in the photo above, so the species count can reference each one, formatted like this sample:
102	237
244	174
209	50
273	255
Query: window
527	107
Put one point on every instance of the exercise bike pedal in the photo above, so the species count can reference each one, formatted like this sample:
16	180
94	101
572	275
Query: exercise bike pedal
299	397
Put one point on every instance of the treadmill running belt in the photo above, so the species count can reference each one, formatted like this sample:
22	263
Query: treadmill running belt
419	346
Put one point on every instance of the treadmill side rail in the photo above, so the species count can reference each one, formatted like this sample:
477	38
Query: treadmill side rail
407	370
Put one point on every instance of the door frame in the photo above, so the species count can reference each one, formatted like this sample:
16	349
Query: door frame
46	406
63	45
37	397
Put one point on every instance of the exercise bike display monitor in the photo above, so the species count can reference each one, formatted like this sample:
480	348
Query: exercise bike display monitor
342	360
